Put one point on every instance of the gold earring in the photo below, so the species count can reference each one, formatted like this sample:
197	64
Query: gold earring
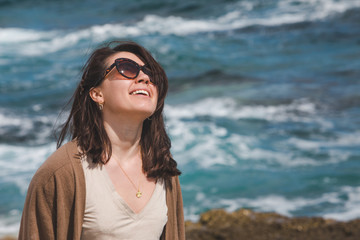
101	106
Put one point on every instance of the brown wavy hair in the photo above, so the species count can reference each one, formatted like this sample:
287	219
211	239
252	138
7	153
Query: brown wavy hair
85	122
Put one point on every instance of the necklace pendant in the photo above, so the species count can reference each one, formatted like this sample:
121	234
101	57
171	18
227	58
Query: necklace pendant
138	194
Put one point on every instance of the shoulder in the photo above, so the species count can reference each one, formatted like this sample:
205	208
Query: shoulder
173	186
63	163
55	191
175	182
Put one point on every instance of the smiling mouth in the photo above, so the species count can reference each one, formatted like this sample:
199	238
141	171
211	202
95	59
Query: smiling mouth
140	92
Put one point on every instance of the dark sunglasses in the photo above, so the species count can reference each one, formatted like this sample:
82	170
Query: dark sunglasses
128	68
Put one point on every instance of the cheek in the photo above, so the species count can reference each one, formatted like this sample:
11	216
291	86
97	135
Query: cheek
115	92
156	96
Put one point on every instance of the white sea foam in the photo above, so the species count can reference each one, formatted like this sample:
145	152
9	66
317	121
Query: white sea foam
19	163
19	35
25	125
351	208
279	204
206	143
200	142
342	209
12	120
9	224
227	107
342	140
37	42
17	166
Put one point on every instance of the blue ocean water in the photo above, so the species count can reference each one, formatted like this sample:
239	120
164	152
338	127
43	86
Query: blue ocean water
263	108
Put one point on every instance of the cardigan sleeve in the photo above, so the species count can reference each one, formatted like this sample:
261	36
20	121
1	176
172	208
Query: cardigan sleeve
53	206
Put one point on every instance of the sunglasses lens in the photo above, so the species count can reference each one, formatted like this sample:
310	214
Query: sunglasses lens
128	69
147	71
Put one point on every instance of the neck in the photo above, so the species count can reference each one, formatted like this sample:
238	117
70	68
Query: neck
124	134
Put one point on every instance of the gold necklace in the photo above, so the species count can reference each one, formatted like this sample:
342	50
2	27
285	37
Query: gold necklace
138	193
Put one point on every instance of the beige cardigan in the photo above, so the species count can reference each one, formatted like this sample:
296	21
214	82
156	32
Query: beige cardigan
55	201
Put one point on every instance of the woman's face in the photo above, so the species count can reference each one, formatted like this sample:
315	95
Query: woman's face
127	97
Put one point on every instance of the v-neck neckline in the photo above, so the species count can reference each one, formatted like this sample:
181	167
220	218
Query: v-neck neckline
119	200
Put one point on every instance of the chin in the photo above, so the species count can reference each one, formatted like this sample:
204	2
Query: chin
145	109
145	113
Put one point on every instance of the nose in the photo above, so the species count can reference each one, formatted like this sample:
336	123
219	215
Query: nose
142	78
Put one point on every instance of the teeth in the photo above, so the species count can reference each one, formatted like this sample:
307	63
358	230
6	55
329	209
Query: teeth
140	92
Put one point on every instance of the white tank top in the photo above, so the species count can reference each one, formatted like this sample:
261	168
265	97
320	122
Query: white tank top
108	216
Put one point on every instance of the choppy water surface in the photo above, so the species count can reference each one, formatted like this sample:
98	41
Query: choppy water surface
263	108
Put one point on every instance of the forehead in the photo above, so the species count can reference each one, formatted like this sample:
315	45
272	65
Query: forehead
129	55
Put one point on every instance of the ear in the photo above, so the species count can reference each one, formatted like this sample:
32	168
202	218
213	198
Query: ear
96	95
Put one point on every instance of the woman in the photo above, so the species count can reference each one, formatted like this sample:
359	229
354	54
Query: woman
116	179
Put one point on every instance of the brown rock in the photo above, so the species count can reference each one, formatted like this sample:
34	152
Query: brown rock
246	224
8	238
